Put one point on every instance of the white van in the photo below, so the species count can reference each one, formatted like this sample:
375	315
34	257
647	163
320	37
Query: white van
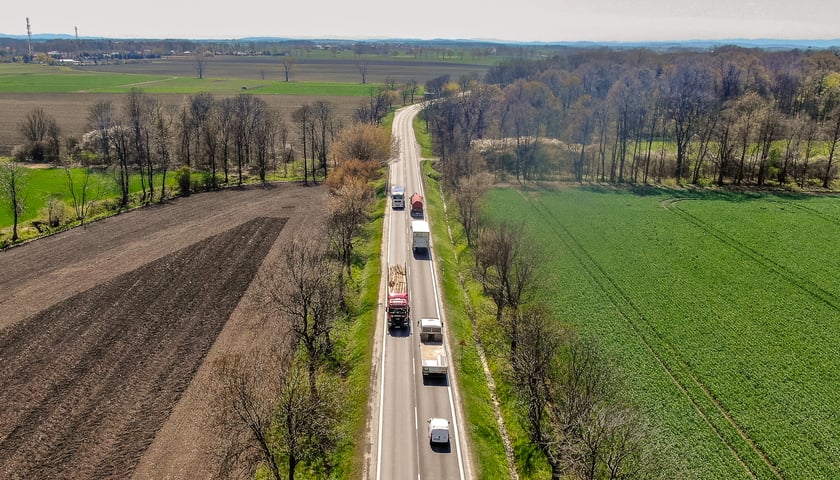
438	430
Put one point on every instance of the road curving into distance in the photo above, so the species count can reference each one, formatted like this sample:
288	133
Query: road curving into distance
404	399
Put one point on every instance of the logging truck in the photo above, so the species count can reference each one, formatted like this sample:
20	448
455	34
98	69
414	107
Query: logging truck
397	307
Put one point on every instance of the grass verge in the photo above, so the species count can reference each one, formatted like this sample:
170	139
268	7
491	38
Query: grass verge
354	343
486	445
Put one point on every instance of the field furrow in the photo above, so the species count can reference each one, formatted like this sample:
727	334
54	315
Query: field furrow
92	379
718	419
806	285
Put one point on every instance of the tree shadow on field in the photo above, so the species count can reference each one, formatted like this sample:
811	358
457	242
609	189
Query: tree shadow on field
690	192
628	189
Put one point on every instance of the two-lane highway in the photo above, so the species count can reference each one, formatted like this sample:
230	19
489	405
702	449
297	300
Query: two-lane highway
406	401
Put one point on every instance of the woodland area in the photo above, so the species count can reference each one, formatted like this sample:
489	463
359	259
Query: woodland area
728	116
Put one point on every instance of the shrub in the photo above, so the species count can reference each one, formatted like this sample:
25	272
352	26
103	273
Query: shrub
365	170
182	178
56	212
209	183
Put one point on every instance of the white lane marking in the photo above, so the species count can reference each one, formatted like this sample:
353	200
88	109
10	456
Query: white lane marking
382	363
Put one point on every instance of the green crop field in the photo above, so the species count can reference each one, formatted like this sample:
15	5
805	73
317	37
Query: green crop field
15	78
723	310
43	183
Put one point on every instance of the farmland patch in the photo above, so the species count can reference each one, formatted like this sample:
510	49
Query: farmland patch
89	381
41	275
723	314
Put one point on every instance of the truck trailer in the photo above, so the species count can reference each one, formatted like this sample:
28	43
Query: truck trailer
417	205
432	351
397	307
419	235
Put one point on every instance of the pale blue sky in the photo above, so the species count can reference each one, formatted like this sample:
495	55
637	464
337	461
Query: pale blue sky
517	20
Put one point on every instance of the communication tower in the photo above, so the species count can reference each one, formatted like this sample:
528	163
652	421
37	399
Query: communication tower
29	35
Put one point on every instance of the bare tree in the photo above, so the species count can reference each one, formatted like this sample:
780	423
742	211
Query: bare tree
224	125
120	139
13	187
305	292
409	90
42	135
306	419
325	126
101	118
138	110
243	393
523	118
265	413
769	131
283	150
202	107
507	266
288	64
723	146
244	118
266	124
580	130
185	134
436	86
749	108
82	193
347	209
688	101
833	138
162	127
374	108
200	62
470	198
539	339
572	407
303	117
363	70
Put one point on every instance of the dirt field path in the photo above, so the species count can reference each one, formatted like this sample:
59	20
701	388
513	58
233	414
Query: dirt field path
103	331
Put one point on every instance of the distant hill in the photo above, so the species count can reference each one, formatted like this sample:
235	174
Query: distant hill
763	43
41	36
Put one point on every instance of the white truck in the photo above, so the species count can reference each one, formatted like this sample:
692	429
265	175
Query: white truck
438	430
420	235
433	359
397	196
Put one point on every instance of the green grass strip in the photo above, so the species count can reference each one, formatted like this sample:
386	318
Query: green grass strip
482	429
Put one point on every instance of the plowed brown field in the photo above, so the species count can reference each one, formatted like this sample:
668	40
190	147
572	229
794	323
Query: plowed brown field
104	332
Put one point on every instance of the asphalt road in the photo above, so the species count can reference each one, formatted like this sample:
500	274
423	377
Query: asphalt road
406	400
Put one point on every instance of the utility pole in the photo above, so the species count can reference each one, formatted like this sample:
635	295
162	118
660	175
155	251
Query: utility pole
29	36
